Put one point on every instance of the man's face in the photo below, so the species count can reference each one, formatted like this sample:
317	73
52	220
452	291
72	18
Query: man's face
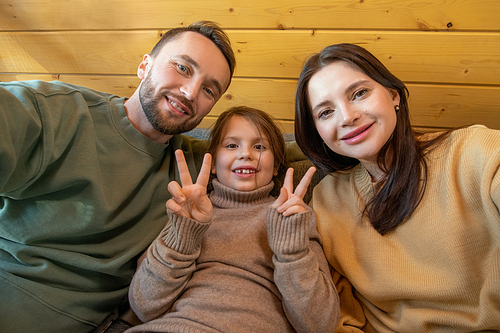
182	83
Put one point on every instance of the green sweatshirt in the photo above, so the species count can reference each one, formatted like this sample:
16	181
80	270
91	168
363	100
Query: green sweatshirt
82	194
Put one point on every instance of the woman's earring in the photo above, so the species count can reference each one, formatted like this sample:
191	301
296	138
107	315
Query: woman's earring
396	107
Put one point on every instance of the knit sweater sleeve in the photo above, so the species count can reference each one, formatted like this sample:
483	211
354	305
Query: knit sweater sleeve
301	273
167	267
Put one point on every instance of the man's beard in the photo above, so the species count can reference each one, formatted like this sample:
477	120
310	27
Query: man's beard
158	119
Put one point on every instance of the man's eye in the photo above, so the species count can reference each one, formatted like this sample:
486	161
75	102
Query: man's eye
182	68
209	91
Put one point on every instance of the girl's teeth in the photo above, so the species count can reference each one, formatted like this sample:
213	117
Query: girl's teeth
245	171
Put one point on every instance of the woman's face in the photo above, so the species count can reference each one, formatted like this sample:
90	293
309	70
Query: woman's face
244	160
354	114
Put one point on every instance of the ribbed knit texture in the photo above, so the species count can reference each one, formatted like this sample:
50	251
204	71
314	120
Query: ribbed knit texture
439	271
222	276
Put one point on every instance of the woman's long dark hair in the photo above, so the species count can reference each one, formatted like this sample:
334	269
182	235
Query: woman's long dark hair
399	194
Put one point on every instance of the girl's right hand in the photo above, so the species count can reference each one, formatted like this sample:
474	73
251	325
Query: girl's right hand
191	200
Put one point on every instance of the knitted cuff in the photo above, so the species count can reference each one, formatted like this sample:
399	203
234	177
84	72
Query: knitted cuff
288	235
183	234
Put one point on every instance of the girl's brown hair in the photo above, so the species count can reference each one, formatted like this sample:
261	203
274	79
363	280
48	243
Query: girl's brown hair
402	189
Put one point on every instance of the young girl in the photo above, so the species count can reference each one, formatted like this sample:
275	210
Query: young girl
410	223
237	260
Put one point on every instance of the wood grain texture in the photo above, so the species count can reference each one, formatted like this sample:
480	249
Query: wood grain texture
466	58
432	106
454	15
446	51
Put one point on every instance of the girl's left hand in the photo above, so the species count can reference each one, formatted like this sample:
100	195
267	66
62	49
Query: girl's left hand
290	202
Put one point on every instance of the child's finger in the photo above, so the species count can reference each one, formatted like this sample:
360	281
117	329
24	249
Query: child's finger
184	174
301	189
172	206
288	182
295	209
283	197
175	191
203	204
204	175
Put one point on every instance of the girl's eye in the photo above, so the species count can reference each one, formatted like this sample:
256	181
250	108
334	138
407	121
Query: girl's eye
259	147
231	146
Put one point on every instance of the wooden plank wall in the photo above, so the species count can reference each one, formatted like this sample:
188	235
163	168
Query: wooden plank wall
446	51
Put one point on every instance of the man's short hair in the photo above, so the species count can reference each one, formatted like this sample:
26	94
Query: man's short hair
209	29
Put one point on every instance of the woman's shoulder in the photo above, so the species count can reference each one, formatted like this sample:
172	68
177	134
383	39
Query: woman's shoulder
474	137
468	147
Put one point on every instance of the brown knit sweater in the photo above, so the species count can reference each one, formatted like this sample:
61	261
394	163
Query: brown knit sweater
249	270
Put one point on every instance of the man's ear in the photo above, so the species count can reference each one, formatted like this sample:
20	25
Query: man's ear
144	66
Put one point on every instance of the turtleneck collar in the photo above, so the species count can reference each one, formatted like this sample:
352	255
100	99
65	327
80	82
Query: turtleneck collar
226	197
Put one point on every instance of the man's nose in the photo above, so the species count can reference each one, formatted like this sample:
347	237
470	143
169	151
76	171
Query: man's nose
190	88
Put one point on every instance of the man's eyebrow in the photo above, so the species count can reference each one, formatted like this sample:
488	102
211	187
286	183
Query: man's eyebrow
193	63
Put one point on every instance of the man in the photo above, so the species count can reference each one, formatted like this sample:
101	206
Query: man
83	178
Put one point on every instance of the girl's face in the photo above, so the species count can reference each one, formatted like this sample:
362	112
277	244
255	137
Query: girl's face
354	114
244	160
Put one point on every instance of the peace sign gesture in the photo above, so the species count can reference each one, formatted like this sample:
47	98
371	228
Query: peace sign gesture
191	200
290	202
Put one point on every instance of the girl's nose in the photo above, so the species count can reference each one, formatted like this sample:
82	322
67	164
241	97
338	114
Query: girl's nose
245	154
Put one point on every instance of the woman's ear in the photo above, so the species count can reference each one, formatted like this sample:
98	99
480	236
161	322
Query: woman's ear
395	96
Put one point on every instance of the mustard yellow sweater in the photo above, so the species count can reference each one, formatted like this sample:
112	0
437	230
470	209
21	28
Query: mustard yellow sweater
439	271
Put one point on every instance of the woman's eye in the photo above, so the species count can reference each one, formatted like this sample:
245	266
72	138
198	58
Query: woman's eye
324	113
360	93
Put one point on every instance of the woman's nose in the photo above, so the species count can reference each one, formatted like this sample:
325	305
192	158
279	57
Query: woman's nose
349	115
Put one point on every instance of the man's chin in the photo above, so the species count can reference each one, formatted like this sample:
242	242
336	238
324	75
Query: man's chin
175	129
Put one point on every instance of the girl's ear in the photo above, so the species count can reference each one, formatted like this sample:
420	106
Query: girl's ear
213	168
276	170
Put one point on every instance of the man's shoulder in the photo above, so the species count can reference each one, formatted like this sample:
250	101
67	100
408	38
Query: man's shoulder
53	88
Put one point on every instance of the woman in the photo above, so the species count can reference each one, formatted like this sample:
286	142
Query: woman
410	222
